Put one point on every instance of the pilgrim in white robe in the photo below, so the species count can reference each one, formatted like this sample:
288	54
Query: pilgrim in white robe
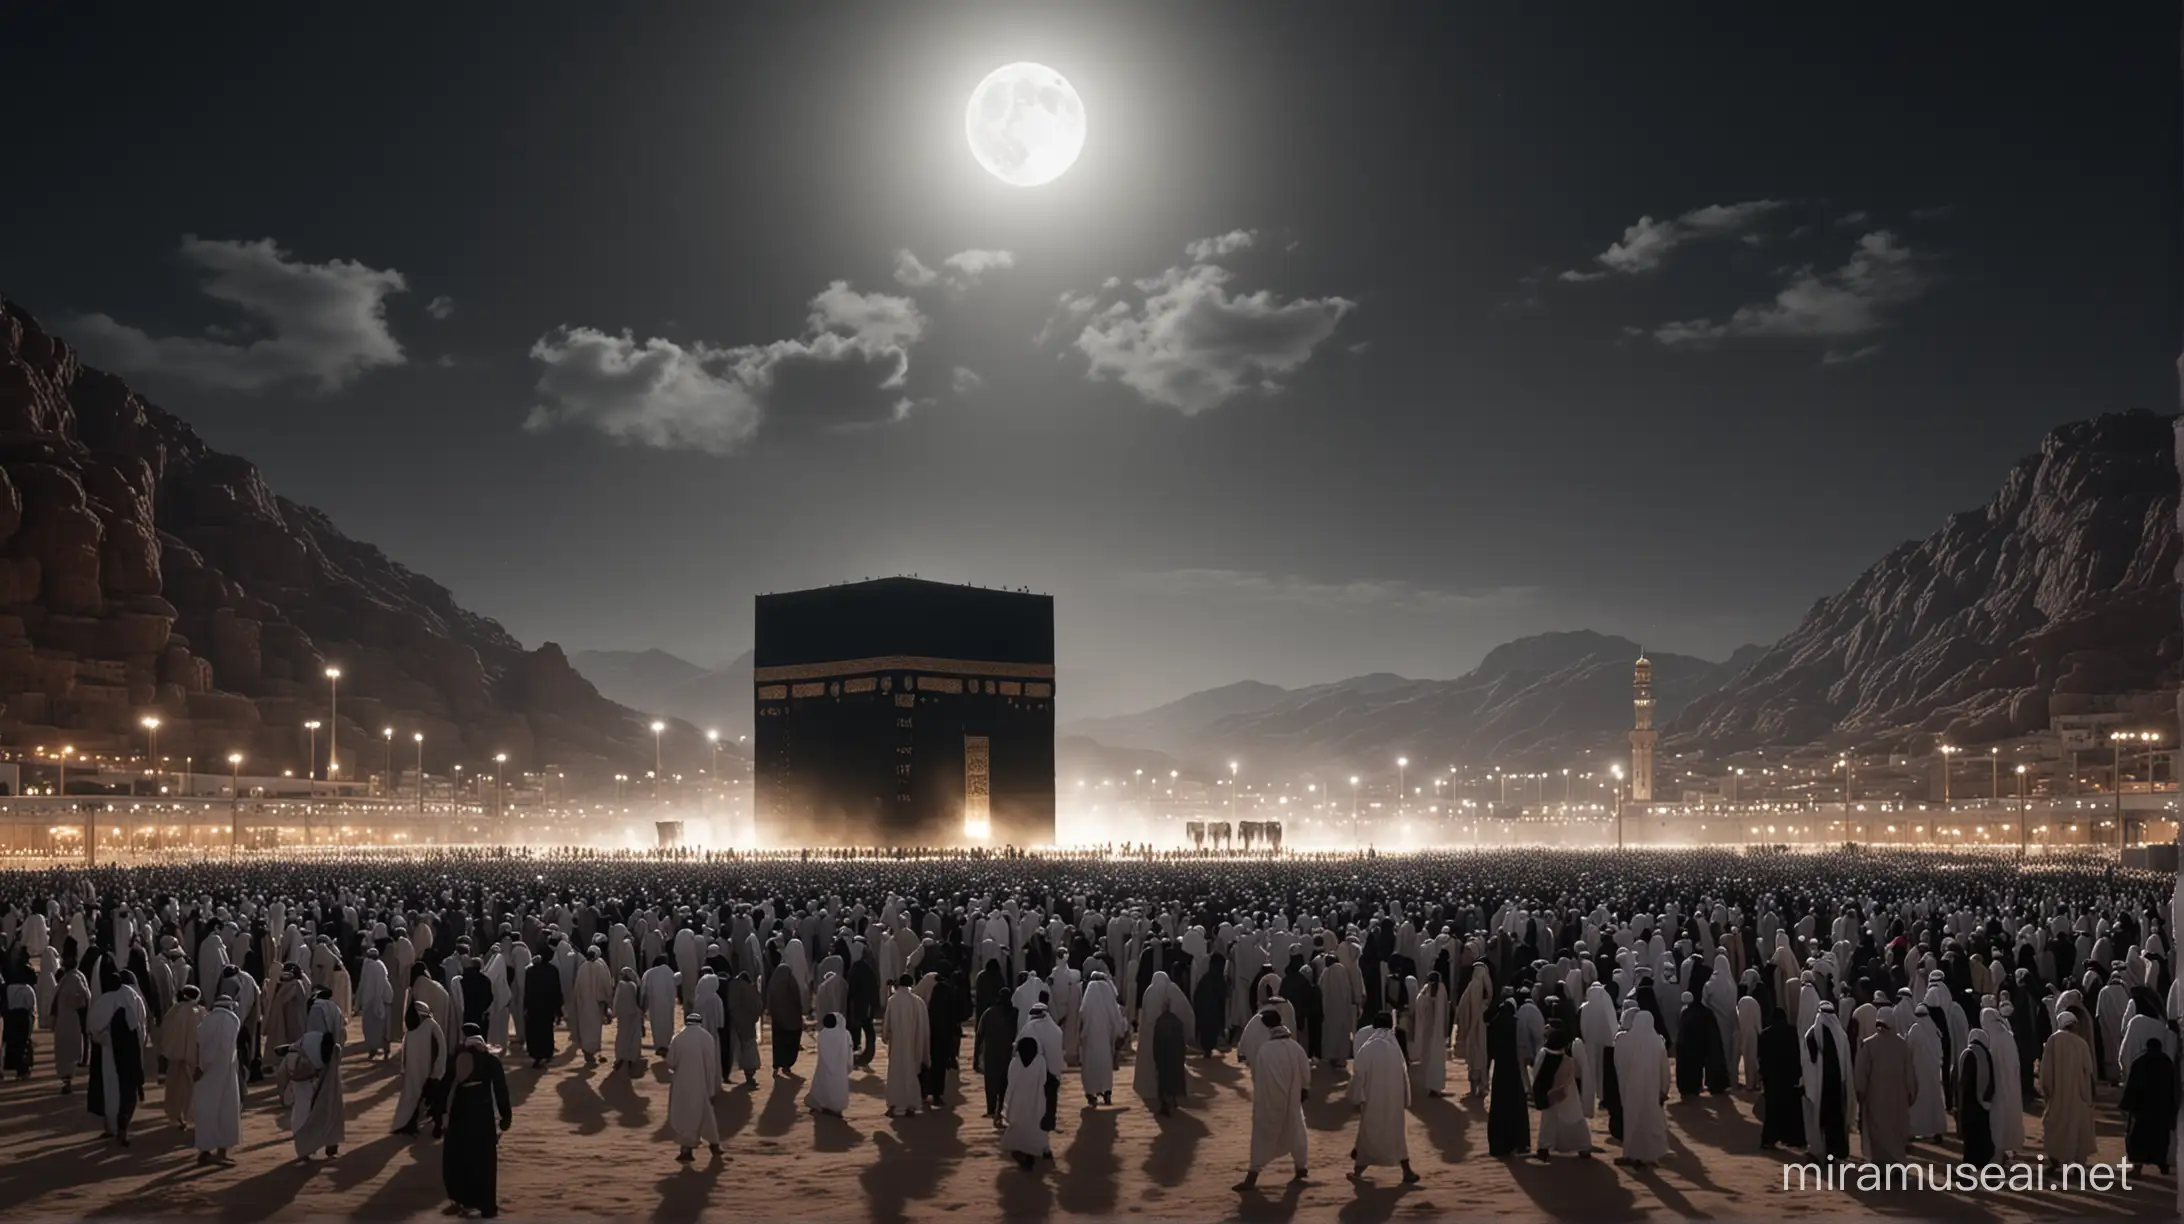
693	1065
314	1074
1280	1074
1929	1112
909	1048
1641	1077
2006	1116
2066	1080
594	992
375	1004
1024	1104
629	1022
1562	1126
656	991
1380	1088
1429	1039
217	1103
1103	1028
424	1063
830	1082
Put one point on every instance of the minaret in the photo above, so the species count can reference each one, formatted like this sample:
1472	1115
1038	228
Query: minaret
1642	736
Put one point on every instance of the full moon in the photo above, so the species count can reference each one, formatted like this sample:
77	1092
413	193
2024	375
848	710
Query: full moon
1025	124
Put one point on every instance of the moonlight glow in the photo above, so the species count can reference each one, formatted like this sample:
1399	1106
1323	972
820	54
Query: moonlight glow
1025	124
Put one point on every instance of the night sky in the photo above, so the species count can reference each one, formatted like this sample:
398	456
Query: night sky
1360	337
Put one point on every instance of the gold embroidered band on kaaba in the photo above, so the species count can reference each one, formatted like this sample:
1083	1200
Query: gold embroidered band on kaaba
885	663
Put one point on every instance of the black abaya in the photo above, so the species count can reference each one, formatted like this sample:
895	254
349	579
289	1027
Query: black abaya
1508	1123
477	1113
541	1007
1781	1077
1975	1123
2149	1108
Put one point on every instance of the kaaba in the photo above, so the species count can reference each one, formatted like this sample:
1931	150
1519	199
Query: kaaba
902	712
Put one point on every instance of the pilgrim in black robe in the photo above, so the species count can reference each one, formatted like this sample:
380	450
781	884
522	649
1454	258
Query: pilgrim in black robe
127	1046
1508	1125
1170	1081
1699	1061
477	1112
995	1044
1781	1078
1209	1004
1611	1092
2149	1107
1975	1101
541	1007
944	1029
1834	1117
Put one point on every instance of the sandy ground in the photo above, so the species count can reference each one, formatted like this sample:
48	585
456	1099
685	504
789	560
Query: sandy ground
589	1145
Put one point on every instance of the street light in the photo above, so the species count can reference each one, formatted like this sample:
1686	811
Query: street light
657	768
1353	811
500	806
310	771
151	727
1402	784
1617	770
235	801
712	740
1947	751
389	733
2021	811
1232	767
420	738
333	722
1994	775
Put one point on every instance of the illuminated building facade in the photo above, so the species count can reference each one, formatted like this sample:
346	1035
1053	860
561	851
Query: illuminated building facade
901	712
1642	737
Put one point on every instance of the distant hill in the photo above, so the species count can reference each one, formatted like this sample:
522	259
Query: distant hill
1539	697
2060	594
657	682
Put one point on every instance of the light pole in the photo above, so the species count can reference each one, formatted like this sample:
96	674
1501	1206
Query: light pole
310	771
500	805
1994	776
66	751
235	801
2021	839
1402	785
657	768
618	780
712	740
1617	770
1232	767
389	733
1353	811
151	728
1947	751
420	738
333	723
1565	792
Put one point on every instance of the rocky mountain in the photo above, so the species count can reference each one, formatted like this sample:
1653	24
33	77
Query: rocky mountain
144	573
1536	699
657	682
2059	595
1164	726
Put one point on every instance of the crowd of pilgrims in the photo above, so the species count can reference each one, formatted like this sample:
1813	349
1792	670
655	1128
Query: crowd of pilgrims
1901	998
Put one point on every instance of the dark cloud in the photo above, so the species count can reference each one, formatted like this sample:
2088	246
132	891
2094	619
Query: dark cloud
848	369
322	323
1853	300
